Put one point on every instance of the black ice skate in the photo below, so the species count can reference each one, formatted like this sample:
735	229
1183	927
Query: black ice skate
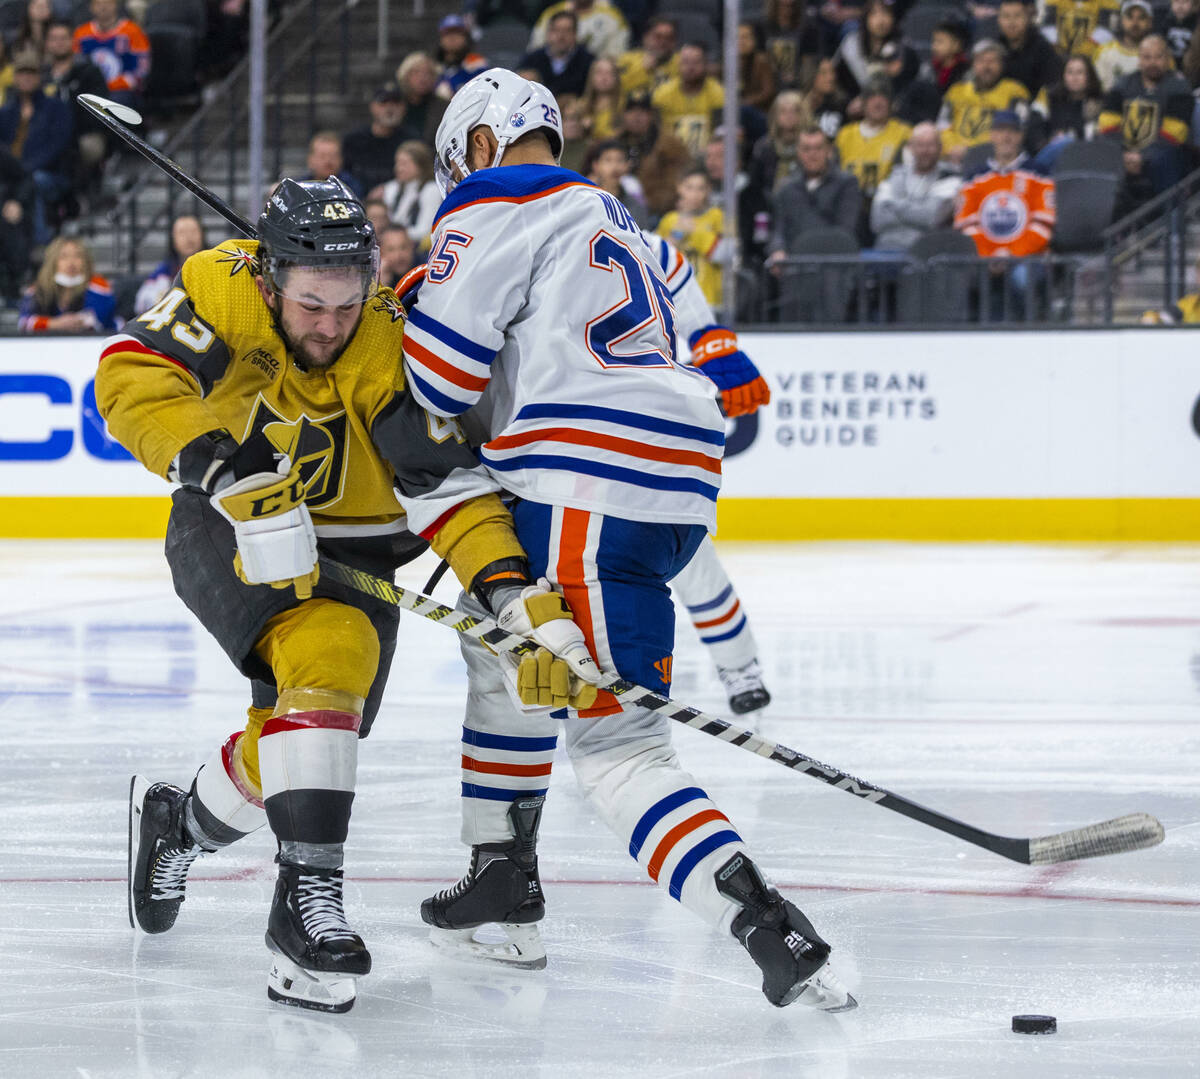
316	955
501	887
794	960
744	687
160	854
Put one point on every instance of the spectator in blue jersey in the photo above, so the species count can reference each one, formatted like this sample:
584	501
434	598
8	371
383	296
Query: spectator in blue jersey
68	296
561	64
38	130
119	48
459	63
187	238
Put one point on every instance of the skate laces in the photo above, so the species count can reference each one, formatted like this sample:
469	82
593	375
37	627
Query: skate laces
169	875
319	899
741	679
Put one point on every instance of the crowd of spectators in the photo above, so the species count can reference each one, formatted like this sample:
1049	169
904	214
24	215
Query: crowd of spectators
847	120
54	155
885	120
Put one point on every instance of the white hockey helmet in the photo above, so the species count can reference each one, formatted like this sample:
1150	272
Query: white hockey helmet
502	101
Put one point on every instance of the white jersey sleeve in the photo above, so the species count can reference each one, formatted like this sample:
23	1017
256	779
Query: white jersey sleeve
692	313
546	319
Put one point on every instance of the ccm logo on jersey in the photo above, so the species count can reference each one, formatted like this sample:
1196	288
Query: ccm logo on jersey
350	246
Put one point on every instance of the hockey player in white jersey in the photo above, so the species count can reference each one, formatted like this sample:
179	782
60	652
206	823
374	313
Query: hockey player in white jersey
543	319
703	586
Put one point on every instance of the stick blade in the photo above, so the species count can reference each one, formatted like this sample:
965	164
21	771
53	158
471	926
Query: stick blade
96	103
1133	832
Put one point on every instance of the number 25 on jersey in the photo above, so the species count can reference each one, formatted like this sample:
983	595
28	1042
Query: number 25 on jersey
640	330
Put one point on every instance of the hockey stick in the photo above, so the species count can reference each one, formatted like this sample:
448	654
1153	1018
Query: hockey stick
1132	832
115	116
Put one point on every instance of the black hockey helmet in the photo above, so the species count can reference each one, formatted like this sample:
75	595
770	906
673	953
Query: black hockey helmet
319	225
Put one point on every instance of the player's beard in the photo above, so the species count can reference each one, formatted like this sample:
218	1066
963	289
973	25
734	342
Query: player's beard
304	359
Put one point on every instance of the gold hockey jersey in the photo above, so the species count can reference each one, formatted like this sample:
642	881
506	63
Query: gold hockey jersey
966	117
207	357
870	158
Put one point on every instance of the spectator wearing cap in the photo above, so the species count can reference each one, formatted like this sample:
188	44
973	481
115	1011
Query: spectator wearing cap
68	296
561	63
1028	57
869	148
417	77
949	62
917	195
368	152
818	195
325	160
69	74
599	25
875	50
1079	27
655	62
793	42
459	63
656	157
1150	112
1178	25
1008	211
606	164
1119	57
38	130
967	109
119	48
689	104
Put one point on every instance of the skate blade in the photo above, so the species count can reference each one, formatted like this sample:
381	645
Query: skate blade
522	949
138	786
289	983
825	992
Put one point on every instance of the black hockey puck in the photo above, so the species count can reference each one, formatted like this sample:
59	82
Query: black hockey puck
1034	1024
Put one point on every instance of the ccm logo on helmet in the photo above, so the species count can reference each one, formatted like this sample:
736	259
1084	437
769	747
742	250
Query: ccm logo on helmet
342	247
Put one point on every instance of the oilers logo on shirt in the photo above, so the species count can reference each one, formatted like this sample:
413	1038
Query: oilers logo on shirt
1002	216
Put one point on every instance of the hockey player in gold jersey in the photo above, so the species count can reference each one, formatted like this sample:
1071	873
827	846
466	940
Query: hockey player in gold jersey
267	383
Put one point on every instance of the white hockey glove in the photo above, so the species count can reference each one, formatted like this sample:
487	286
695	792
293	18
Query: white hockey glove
276	542
560	674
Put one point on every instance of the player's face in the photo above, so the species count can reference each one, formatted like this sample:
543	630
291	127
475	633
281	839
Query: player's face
319	314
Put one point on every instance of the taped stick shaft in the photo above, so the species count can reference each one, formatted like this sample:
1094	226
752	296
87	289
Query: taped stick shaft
1110	837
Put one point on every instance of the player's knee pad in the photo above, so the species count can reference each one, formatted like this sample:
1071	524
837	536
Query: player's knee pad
605	773
321	644
226	801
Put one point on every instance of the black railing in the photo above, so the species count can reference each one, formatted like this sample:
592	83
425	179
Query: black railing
875	291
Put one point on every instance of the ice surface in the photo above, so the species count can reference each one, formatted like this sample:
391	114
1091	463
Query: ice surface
1024	689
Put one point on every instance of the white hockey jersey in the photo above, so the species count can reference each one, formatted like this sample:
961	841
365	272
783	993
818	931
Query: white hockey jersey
544	313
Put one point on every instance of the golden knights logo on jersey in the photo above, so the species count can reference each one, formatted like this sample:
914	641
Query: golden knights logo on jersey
975	121
238	260
316	446
1140	124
